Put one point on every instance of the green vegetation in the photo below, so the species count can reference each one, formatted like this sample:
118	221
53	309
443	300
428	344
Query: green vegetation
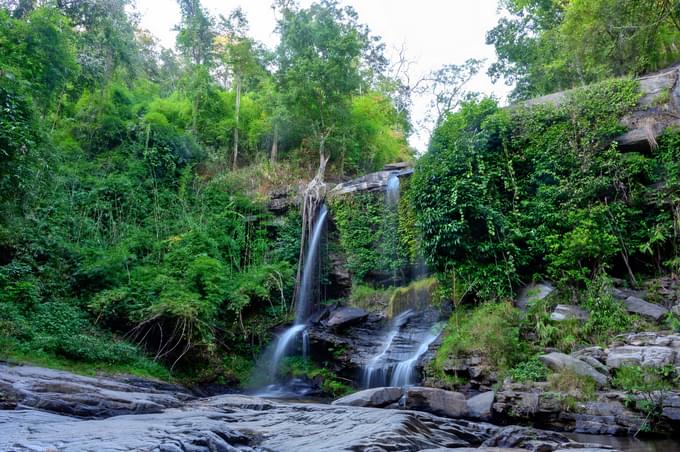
133	227
530	370
490	330
646	387
572	388
512	195
375	238
369	298
547	46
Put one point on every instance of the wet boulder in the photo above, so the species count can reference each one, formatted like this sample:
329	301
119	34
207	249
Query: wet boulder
372	398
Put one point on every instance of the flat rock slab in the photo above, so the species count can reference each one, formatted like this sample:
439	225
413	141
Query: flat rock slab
241	423
345	317
87	397
644	308
559	362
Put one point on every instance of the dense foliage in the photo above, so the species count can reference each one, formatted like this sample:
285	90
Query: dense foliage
505	196
545	46
129	226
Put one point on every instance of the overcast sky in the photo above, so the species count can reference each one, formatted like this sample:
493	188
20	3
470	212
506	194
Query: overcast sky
434	32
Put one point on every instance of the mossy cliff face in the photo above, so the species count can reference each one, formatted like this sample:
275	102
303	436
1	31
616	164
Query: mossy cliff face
378	241
416	296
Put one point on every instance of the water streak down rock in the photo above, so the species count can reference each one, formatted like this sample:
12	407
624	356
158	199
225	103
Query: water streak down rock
305	295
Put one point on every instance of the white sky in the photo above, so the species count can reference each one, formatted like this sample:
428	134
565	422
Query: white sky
434	33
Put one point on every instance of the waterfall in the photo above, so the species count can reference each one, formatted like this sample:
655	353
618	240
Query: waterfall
304	301
392	192
283	343
309	273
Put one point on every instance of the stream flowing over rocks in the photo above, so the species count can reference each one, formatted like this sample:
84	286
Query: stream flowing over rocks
130	414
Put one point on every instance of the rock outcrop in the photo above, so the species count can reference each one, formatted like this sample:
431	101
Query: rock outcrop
560	362
370	182
533	292
86	397
658	109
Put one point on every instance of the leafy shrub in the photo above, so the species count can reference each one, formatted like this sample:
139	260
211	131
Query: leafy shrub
491	330
608	317
530	370
572	386
331	384
505	195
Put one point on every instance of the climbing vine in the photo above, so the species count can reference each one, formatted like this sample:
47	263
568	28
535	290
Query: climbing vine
505	195
375	239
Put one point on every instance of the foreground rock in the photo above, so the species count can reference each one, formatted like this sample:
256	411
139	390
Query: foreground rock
241	423
230	423
87	397
238	423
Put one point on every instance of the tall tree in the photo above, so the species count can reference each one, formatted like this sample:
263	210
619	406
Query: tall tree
319	59
195	36
240	56
549	45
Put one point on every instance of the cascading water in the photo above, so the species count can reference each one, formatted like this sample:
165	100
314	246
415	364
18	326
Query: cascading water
390	241
408	339
309	271
285	341
376	372
404	373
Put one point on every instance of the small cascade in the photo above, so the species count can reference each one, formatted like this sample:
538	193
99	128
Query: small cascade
405	372
390	243
375	372
392	192
408	339
283	343
305	344
286	341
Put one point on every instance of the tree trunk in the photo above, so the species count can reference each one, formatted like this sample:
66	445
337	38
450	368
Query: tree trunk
275	144
238	108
